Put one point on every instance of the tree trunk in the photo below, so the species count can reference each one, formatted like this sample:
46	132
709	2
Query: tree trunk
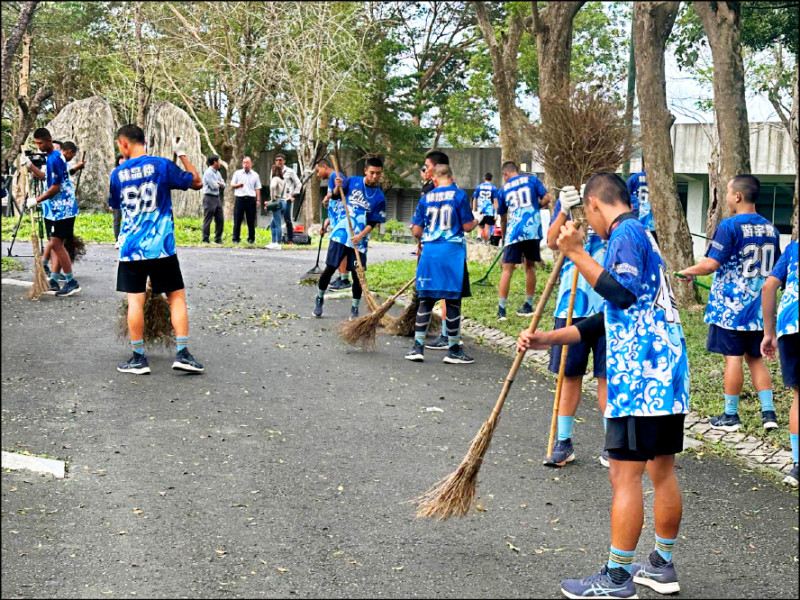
9	49
552	27
721	22
139	82
630	100
793	133
652	23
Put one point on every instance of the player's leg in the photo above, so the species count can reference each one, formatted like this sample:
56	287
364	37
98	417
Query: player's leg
789	352
64	262
342	277
563	450
179	315
505	284
602	400
762	382
532	253
452	326
793	477
137	364
730	344
421	323
357	290
440	343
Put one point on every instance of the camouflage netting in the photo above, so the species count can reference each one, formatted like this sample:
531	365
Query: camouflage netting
164	123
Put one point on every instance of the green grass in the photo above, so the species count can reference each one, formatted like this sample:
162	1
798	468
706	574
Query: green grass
10	264
706	368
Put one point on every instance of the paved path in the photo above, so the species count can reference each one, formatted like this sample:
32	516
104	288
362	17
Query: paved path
284	469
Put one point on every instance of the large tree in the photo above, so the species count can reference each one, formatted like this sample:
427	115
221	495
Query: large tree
652	23
10	44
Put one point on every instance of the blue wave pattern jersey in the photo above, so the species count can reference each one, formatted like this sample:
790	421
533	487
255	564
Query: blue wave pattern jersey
587	301
746	247
63	205
520	197
646	362
140	187
486	193
335	206
365	205
442	213
786	271
640	199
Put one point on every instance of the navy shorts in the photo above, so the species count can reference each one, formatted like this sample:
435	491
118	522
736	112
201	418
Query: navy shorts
578	354
643	438
164	273
730	342
487	220
790	365
513	253
337	251
62	229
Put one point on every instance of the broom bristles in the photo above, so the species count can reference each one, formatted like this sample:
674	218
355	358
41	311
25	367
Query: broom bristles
453	495
157	320
403	325
75	247
363	331
39	286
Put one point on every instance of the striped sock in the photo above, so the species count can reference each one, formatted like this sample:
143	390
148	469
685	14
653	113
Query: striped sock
793	440
731	404
181	341
355	302
68	277
138	347
765	397
419	338
453	340
502	302
665	547
320	293
565	428
620	559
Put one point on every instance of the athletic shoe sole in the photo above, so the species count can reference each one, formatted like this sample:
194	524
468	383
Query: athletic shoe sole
770	425
457	361
140	371
522	314
661	588
604	462
179	366
791	481
416	357
70	293
569	459
502	318
427	347
728	428
568	595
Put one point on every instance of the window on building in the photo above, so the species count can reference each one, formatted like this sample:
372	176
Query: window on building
775	203
683	195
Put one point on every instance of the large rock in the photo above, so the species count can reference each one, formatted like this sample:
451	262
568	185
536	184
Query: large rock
90	124
164	123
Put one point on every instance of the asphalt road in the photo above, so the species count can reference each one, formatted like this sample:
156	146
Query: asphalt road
284	470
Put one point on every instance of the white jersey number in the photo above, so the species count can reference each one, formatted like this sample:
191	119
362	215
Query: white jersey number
442	215
138	199
758	260
519	198
665	299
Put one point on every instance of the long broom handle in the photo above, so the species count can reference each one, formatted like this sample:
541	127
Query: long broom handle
346	212
80	174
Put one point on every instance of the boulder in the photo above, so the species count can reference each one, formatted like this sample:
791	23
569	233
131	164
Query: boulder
163	124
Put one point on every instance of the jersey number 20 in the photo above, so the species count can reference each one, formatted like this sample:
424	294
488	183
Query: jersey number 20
763	255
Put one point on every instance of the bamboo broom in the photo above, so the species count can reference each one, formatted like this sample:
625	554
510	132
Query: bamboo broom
39	286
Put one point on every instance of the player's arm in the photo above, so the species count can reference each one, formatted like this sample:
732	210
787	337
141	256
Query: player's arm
769	292
544	202
704	267
555	229
416	231
35	171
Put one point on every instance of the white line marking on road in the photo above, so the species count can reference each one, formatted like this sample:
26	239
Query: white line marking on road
12	460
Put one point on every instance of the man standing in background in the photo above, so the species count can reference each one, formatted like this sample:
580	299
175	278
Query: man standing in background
212	206
293	187
247	190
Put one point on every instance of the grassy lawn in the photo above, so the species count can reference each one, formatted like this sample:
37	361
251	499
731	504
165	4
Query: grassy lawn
706	368
10	264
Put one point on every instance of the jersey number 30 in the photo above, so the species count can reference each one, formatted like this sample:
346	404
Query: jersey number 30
139	198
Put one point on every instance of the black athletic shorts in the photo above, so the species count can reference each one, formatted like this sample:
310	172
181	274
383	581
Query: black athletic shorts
487	220
578	354
788	348
644	438
164	273
337	251
61	229
527	248
730	342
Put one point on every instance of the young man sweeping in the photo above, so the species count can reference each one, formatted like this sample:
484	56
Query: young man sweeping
520	199
587	303
366	205
140	187
785	338
648	386
442	218
741	256
484	201
335	209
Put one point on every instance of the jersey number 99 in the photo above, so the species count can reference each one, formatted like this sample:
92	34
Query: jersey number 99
139	199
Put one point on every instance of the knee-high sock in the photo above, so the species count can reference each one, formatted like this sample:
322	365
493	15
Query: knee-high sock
453	321
423	319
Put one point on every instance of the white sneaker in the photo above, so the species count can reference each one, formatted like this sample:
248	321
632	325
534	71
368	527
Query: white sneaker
274	246
118	244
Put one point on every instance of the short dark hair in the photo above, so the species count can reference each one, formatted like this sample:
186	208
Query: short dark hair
70	146
748	186
118	158
609	187
437	157
279	155
212	159
510	167
324	161
132	133
375	161
59	142
42	134
488	177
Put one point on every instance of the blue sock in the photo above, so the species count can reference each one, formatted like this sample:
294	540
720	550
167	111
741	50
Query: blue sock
765	397
665	547
731	404
68	276
355	302
320	293
46	262
529	299
419	338
502	302
793	440
138	347
453	340
620	559
181	342
605	424
565	428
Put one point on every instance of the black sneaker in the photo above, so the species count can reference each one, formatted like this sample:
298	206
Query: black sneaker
353	312
455	356
726	422
47	271
526	310
417	353
336	285
71	287
346	285
318	302
52	287
439	344
792	477
769	420
186	362
501	314
136	364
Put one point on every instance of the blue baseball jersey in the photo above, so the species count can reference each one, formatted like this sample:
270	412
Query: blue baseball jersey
587	301
640	199
63	205
786	270
365	205
486	193
442	213
646	360
140	187
335	206
746	247
519	197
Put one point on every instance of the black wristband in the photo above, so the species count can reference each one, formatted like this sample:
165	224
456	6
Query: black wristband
613	291
592	328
